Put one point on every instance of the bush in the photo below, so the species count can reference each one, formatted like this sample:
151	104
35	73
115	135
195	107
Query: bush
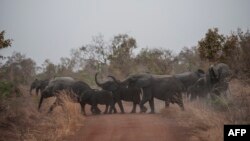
204	120
7	89
21	121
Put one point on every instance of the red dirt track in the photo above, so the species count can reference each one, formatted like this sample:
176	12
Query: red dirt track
127	127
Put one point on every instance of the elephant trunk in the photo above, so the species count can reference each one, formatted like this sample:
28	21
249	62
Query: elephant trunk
96	81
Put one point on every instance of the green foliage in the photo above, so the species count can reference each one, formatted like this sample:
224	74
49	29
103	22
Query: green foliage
121	57
18	69
210	46
219	103
122	46
233	50
188	60
7	89
244	53
50	69
157	61
230	46
4	42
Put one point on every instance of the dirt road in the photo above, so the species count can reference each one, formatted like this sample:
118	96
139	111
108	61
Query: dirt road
127	127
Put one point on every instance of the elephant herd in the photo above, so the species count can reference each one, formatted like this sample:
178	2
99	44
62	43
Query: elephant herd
168	88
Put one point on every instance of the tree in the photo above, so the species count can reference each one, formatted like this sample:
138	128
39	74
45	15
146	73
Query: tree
187	60
50	69
18	69
211	46
157	61
66	66
97	51
244	58
121	57
4	43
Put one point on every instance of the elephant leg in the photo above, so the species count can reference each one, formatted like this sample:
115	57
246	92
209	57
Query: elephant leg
166	103
193	96
37	90
111	108
115	111
151	104
142	107
120	106
106	109
178	99
147	95
31	90
134	108
40	102
97	110
55	104
83	108
93	110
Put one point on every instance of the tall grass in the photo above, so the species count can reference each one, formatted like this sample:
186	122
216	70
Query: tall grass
20	119
203	120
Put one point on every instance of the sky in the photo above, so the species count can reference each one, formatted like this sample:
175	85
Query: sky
49	29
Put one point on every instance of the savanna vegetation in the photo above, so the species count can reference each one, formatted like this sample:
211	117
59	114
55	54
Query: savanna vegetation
20	120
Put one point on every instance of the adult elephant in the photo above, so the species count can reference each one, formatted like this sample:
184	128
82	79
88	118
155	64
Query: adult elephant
216	81
189	78
121	93
131	94
163	87
38	85
55	86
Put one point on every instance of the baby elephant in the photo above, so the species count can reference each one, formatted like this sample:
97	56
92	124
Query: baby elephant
94	97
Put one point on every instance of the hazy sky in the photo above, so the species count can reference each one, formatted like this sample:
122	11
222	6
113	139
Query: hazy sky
50	28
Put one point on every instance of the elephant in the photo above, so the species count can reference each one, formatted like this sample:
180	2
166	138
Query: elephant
53	88
77	87
216	81
94	97
198	89
121	92
131	94
163	87
39	85
189	78
219	73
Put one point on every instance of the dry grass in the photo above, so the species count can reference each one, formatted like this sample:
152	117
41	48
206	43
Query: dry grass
21	121
204	120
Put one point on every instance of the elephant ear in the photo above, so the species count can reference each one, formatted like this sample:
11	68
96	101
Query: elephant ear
223	70
213	73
